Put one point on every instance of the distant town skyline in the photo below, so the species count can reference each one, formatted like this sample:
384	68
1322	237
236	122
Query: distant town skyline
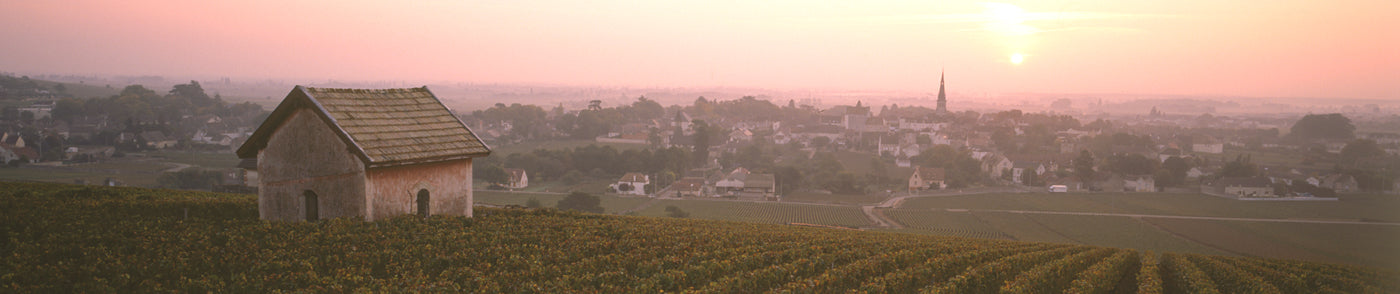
1341	49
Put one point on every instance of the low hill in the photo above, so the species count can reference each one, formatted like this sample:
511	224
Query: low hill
65	238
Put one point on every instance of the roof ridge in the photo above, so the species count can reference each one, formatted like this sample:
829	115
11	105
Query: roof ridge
425	130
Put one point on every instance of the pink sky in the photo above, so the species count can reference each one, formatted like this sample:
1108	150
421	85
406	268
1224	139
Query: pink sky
1345	48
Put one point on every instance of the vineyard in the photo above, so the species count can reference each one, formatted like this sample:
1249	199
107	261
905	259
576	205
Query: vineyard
1370	240
61	238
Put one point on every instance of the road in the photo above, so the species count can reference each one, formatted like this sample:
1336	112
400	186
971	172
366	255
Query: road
880	220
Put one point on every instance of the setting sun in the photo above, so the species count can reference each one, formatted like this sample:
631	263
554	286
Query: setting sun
1017	58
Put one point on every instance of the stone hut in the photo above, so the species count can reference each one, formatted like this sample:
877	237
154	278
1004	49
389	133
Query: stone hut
370	153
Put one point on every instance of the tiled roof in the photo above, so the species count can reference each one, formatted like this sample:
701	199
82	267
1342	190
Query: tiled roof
634	178
759	181
930	173
384	126
688	184
515	173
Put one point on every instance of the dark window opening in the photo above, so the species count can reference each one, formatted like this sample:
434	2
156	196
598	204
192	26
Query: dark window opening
423	202
313	208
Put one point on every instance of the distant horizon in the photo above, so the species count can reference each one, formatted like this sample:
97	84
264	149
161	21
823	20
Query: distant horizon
1290	48
208	79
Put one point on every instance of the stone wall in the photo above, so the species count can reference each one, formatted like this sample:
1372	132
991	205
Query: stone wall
394	190
304	154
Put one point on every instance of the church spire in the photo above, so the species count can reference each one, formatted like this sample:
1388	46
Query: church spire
942	96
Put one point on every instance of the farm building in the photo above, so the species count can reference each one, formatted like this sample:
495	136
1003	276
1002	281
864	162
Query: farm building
632	183
732	183
326	153
1248	187
925	178
760	185
517	178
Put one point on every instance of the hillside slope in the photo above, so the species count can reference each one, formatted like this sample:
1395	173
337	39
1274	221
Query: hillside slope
64	238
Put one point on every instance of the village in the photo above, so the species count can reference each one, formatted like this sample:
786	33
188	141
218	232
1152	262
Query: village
757	150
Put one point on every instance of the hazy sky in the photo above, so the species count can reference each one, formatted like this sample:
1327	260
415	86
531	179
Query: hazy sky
1344	48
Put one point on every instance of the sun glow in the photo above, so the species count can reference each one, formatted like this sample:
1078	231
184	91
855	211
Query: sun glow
1007	19
1017	58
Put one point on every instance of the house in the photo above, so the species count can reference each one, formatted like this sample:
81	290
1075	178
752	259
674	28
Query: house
1248	187
925	178
364	153
690	186
760	185
1019	169
249	166
1195	173
11	140
22	154
919	124
682	121
1342	183
996	165
1167	154
517	179
41	109
88	152
632	183
6	155
1207	144
740	135
157	140
1139	184
733	182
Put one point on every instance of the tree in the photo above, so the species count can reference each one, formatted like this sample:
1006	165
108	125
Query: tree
1240	167
1133	164
877	174
1323	126
1164	178
66	109
1030	178
193	93
580	201
960	168
1359	149
788	179
572	177
702	143
647	109
492	174
1173	172
654	137
1084	166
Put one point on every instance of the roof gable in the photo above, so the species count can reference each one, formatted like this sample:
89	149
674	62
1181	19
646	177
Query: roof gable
384	127
634	178
929	173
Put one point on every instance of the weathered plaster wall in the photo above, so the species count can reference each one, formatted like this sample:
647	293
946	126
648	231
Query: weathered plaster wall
394	190
305	154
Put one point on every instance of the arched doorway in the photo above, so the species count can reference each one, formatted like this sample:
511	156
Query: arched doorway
312	205
423	202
